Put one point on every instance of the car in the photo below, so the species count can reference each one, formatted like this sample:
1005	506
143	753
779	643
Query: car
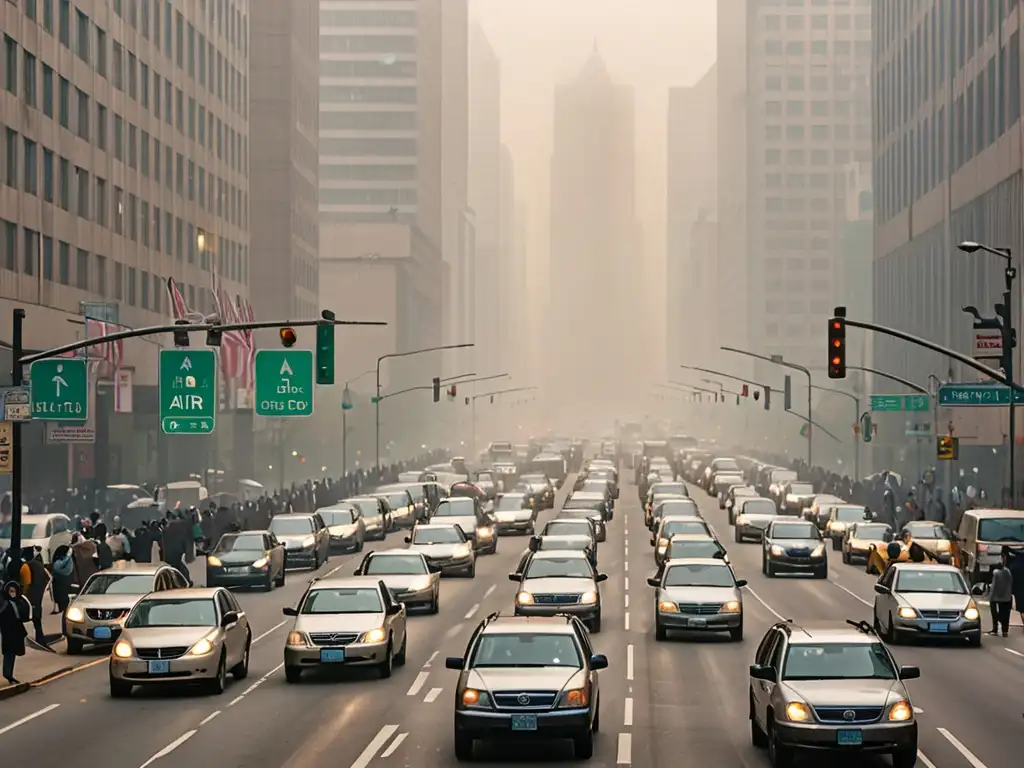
560	581
375	513
412	580
751	516
598	485
688	545
715	466
934	537
859	539
670	525
830	689
569	527
97	613
193	636
402	505
842	516
821	508
914	600
541	489
722	482
246	559
418	491
465	512
574	542
487	481
980	538
44	532
445	546
514	514
794	546
697	594
734	494
527	679
673	506
794	496
351	622
583	513
345	527
305	538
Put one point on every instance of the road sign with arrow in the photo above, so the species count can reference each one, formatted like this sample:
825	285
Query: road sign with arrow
188	391
284	382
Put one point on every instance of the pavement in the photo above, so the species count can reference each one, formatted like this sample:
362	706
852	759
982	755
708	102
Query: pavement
664	704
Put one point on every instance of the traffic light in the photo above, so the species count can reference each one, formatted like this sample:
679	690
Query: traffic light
437	389
325	350
787	393
837	348
745	391
767	398
213	335
948	448
181	337
288	337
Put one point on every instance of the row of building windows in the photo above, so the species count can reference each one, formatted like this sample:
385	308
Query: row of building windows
790	205
333	18
780	223
816	108
819	132
816	48
800	331
817	83
367	173
818	157
367	94
366	121
383	44
797	307
330	196
795	22
367	147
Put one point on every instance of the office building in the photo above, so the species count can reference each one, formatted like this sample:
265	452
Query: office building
512	309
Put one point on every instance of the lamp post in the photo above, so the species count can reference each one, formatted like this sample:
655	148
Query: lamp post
856	419
346	404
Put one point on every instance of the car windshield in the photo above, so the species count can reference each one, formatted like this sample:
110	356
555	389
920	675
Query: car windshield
728	478
582	504
849	514
673	527
794	531
930	580
398	499
526	650
456	507
342	600
874	532
687	508
578	514
838	661
184	612
337	516
726	464
291	526
802	489
574	542
28	530
245	542
567	528
395	565
709	548
119	584
699	575
665	488
367	506
759	507
557	568
510	504
1001	529
440	534
925	531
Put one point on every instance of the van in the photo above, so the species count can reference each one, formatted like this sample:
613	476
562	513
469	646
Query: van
980	539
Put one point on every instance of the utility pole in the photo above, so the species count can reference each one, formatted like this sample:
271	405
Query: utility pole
17	376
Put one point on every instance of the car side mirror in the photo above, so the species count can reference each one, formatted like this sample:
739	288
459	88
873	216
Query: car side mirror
601	577
228	619
516	577
881	589
910	673
653	582
598	661
534	544
394	609
454	662
759	672
434	568
741	582
289	611
978	589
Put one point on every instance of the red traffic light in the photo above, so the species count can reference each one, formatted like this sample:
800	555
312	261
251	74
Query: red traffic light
745	391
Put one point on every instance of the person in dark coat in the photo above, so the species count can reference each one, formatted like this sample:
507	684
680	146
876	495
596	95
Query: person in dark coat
142	544
14	612
63	570
36	590
104	555
1015	564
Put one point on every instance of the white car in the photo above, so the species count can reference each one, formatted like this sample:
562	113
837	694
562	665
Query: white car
914	600
47	532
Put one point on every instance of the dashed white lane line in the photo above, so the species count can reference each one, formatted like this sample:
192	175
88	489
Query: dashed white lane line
626	583
256	685
627	601
393	747
431	659
959	747
629	661
170	748
918	711
852	594
625	751
268	632
924	760
432	695
626	621
627	716
27	719
472	611
759	599
453	631
383	737
490	591
208	718
625	566
418	683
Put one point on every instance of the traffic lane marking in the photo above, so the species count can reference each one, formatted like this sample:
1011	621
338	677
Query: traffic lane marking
393	747
28	718
624	754
170	748
418	683
967	755
383	737
432	695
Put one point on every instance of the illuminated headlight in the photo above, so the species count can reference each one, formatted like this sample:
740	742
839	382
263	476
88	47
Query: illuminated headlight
666	606
309	541
202	648
263	562
419	583
907	613
524	598
943	545
798	712
485	532
777	550
123	650
573	699
214	561
75	615
741	520
819	551
971	612
476	699
296	638
588	598
464	549
374	636
733	606
901	711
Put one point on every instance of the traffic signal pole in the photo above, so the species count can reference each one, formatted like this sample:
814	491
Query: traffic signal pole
17	375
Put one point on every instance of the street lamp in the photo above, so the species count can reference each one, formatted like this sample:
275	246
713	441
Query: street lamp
346	405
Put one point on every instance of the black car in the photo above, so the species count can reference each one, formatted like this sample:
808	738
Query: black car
795	546
246	559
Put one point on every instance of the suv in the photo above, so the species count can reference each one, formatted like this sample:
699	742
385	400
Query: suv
830	688
527	678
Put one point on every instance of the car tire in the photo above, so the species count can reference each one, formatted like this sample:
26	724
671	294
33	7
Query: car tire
905	758
583	745
241	670
596	725
219	684
268	585
119	689
386	667
660	633
402	654
769	570
758	738
595	624
891	636
847	560
779	755
974	641
280	579
292	673
435	604
463	747
737	535
471	571
822	573
836	545
736	634
359	545
73	647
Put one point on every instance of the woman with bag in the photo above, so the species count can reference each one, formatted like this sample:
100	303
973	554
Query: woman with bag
14	612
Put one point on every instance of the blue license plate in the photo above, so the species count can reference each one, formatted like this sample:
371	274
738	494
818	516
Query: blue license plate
102	633
332	654
938	628
850	738
697	623
524	722
159	667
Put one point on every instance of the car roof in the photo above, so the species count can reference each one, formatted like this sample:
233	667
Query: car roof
548	625
925	567
354	499
715	561
394	552
138	569
558	554
340	582
666	519
431	524
989	513
293	516
828	632
692	537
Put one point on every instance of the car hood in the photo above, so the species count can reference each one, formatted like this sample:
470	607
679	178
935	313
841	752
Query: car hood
558	586
515	679
513	515
928	601
294	541
759	520
467	523
843	693
791	544
239	557
342	530
106	601
339	622
402	581
163	637
565	542
436	550
700	594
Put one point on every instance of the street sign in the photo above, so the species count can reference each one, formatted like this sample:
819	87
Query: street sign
188	391
60	389
978	395
284	382
5	448
988	344
913	403
17	402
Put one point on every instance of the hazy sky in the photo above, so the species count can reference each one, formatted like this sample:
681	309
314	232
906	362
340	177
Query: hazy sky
652	45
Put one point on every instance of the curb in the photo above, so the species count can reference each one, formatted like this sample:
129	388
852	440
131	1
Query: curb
11	691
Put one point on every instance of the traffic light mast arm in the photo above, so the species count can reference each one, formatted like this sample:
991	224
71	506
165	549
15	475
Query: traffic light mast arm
501	392
725	375
431	386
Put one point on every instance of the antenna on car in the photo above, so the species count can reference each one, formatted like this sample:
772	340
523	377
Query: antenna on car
861	626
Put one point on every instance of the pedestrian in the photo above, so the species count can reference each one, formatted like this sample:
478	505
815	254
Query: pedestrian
1015	565
1001	596
63	574
36	591
14	612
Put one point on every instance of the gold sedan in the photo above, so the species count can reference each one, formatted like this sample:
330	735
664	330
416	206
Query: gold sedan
859	538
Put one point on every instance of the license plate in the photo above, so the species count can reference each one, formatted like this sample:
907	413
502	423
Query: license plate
850	738
524	722
938	627
332	654
697	623
159	667
241	569
102	633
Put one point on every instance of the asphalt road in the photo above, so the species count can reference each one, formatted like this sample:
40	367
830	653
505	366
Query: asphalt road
663	704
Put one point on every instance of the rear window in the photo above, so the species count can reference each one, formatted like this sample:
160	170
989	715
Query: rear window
1002	529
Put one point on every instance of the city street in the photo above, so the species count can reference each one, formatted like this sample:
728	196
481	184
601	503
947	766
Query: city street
660	701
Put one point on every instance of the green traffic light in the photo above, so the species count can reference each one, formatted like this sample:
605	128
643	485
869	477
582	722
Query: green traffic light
325	354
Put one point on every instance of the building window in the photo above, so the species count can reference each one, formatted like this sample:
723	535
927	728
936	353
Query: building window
47	91
82	269
64	106
10	246
82	192
101	127
101	52
31	161
64	29
48	259
11	158
10	64
31	255
132	281
119	138
101	275
64	263
82	36
118	281
101	202
29	79
47	175
118	66
82	127
144	289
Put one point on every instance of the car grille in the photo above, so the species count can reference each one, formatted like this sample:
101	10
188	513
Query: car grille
151	654
799	552
699	609
105	614
944	615
556	599
838	714
525	699
333	638
439	560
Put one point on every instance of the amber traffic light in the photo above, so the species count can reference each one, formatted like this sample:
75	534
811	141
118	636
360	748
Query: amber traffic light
288	337
837	348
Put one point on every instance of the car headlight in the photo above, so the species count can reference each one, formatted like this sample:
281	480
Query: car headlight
971	612
464	549
202	648
309	541
533	500
214	561
374	636
667	606
485	532
907	613
296	638
473	698
577	697
588	598
422	582
819	551
524	598
733	606
75	614
123	649
798	712
943	545
901	711
777	550
740	520
261	563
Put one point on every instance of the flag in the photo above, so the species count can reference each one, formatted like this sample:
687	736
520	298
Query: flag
179	309
805	430
243	310
234	347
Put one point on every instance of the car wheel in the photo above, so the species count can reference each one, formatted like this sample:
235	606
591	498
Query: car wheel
401	655
280	578
218	684
293	674
360	544
386	667
660	633
905	758
758	737
764	566
119	689
241	670
836	545
268	585
463	747
73	647
736	535
471	571
974	641
779	755
822	573
890	635
769	569
596	725
595	624
583	745
846	557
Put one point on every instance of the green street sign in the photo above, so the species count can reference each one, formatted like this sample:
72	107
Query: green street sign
376	399
188	391
912	403
977	395
60	389
284	382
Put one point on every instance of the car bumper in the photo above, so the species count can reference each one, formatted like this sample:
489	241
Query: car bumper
297	558
185	669
720	622
247	577
584	612
344	543
797	564
453	565
85	631
937	627
555	724
750	532
355	655
880	737
513	526
414	598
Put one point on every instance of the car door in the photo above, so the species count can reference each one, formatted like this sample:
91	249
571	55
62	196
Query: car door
885	604
767	653
322	536
397	620
583	636
236	632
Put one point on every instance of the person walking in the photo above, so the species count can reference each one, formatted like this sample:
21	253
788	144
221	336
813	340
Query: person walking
1015	565
36	591
1001	596
14	612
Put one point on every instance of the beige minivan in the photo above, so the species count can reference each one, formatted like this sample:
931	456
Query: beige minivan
980	539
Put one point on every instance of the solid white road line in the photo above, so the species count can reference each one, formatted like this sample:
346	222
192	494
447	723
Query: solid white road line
629	661
383	737
627	621
854	595
959	747
431	659
269	631
418	683
1015	653
771	610
472	611
28	718
170	748
924	760
625	752
208	718
627	717
432	695
490	591
393	747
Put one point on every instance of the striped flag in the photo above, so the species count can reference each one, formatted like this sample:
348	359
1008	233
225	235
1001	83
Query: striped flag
234	346
244	311
179	309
